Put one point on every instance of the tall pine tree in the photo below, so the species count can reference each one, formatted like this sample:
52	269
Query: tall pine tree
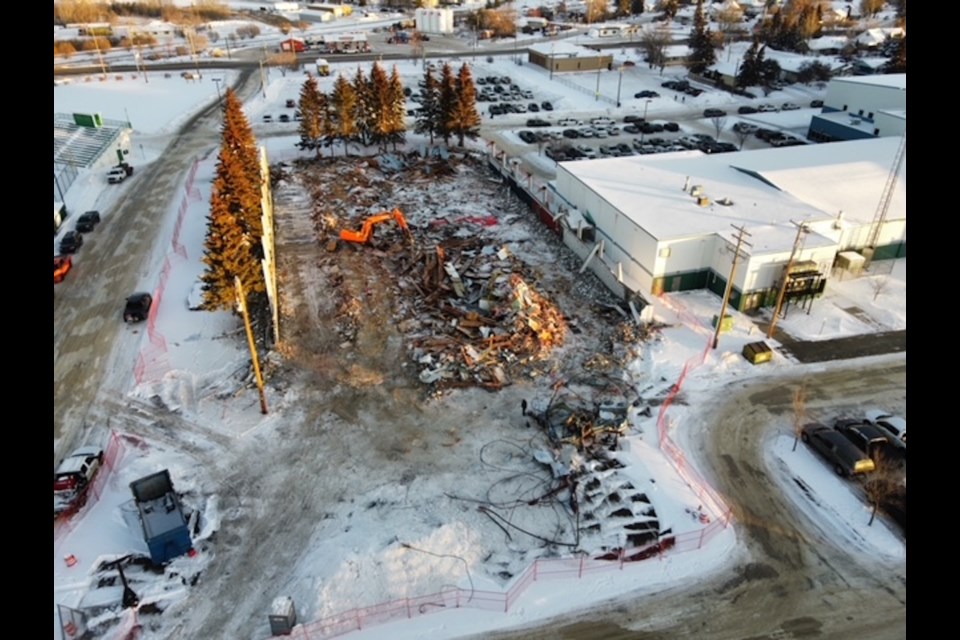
447	102
702	54
380	107
313	113
232	245
343	109
464	120
364	109
396	131
429	118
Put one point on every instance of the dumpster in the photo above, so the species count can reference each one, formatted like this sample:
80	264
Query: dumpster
283	616
757	352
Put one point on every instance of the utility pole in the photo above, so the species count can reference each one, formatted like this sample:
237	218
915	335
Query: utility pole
242	301
801	229
733	272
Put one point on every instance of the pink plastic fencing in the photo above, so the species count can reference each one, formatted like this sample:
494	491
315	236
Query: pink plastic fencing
152	361
563	568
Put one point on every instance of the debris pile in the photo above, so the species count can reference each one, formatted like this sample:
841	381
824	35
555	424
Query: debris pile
479	317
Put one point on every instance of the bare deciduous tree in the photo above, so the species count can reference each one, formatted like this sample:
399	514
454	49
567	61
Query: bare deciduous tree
799	412
654	43
718	124
883	483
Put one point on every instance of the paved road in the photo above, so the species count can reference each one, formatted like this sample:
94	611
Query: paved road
87	307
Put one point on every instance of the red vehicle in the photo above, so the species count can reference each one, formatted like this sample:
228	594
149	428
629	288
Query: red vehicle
61	266
73	477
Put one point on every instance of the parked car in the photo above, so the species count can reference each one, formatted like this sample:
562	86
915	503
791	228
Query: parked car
570	133
816	104
73	477
631	128
746	109
537	122
267	117
284	117
896	425
872	440
766	108
602	121
546	106
693	91
632	118
839	452
519	108
789	106
671	126
527	136
291	103
87	221
714	113
137	307
70	242
533	107
744	127
116	175
586	132
61	267
646	93
569	122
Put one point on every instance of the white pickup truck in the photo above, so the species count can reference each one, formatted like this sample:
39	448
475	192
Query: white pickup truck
119	173
116	175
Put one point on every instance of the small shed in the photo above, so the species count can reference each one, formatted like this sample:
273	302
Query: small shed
283	616
164	525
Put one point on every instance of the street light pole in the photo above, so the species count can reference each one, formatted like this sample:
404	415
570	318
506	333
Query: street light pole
619	83
643	132
217	82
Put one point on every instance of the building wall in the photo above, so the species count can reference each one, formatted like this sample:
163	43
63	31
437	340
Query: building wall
566	64
857	97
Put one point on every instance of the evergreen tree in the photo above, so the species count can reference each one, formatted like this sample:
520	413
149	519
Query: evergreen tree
465	121
769	70
313	114
447	102
428	120
237	137
749	72
702	54
898	62
364	115
396	132
343	109
636	7
380	107
232	245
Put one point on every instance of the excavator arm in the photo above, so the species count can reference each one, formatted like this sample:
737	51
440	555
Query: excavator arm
366	231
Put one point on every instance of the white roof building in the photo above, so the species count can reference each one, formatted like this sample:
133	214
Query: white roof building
665	221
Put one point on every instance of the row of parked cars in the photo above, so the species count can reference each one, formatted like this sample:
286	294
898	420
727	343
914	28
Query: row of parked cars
859	446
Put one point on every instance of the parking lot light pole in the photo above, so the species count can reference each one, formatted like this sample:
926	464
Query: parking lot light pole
643	133
619	83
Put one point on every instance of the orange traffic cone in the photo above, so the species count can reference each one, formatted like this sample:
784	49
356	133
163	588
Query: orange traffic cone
70	560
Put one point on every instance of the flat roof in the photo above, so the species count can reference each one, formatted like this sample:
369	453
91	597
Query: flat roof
892	80
565	49
768	188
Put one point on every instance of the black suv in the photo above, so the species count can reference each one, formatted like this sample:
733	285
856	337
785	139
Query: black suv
87	221
137	307
714	113
872	440
845	458
70	242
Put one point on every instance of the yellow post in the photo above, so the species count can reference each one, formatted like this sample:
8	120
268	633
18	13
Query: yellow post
242	301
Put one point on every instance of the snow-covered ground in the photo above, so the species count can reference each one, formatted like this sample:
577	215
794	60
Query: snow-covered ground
201	355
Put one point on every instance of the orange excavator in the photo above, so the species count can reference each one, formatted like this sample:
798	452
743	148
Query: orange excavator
366	231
